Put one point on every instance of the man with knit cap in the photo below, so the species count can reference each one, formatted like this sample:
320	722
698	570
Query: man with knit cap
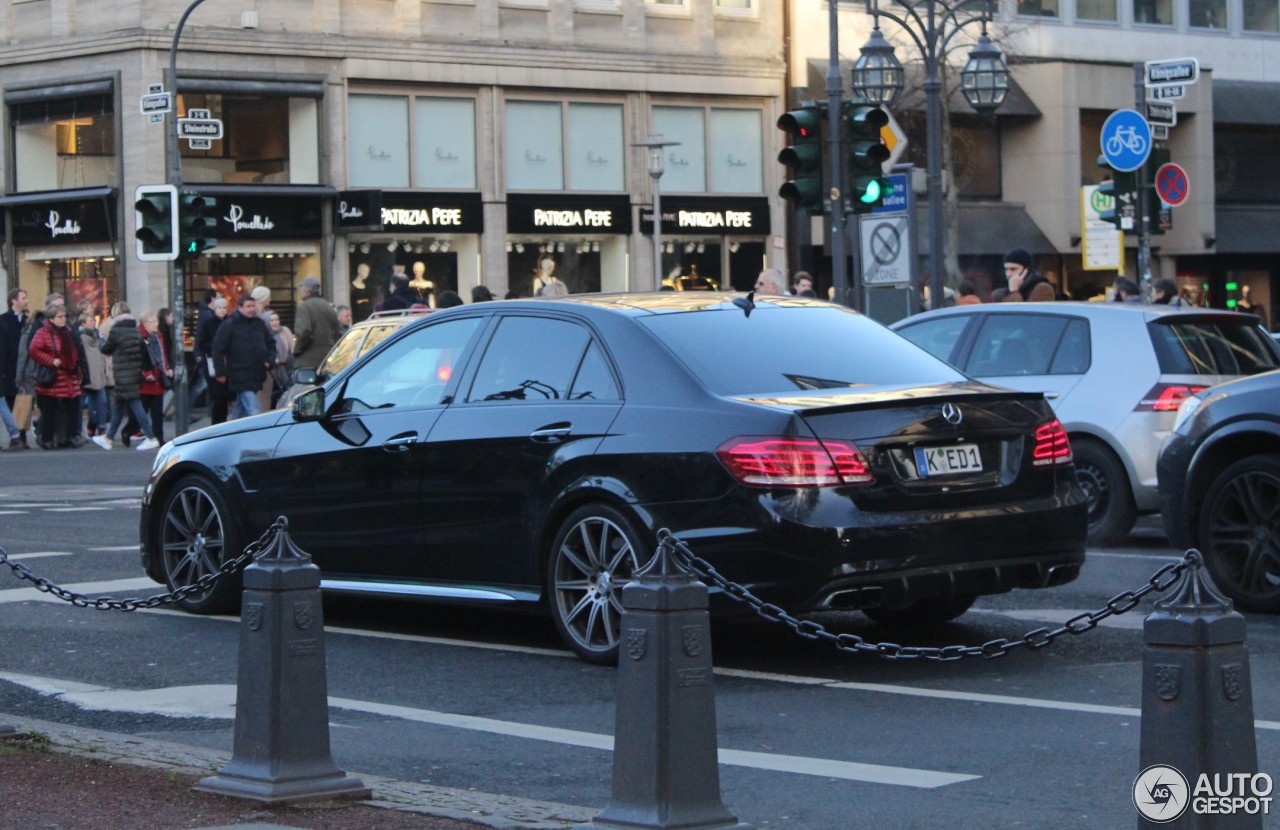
1025	285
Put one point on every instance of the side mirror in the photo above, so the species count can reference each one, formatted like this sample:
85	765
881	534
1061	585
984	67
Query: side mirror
306	376
309	405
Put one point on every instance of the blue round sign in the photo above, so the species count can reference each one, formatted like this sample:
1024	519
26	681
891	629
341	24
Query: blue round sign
1126	140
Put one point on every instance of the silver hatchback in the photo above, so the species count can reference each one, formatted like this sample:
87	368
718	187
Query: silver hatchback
1114	374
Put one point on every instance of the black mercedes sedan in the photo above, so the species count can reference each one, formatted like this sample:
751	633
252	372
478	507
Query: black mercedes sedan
524	454
1219	480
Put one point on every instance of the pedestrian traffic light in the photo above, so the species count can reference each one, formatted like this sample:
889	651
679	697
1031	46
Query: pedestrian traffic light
155	222
867	155
196	229
1121	193
803	158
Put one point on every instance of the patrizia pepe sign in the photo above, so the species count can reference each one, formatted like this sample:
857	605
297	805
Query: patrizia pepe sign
410	212
553	213
741	216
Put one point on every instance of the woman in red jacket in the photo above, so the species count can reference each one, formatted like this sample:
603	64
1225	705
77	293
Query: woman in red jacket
53	346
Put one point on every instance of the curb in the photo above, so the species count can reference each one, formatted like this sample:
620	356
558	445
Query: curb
497	811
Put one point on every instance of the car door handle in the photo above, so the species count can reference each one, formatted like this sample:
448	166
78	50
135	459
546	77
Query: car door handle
400	443
552	434
1051	395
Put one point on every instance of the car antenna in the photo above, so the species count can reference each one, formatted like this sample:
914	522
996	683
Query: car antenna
747	303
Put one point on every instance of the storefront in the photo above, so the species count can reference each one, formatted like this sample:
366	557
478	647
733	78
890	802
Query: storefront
711	243
433	238
267	235
66	241
561	243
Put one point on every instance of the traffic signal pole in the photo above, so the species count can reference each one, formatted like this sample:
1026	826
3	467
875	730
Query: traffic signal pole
1143	199
835	144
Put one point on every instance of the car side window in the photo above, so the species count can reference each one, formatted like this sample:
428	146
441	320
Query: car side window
530	359
412	371
342	353
594	381
1075	352
939	337
1015	344
376	335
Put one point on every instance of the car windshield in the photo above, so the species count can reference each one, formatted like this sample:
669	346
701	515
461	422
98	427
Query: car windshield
1212	347
777	350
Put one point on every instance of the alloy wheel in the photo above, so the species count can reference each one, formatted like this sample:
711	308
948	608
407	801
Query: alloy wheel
191	537
1241	537
593	562
1097	491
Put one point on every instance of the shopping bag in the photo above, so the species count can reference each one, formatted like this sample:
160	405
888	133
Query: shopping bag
22	411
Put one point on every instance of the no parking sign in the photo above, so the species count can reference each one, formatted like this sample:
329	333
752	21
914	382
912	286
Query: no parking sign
1172	184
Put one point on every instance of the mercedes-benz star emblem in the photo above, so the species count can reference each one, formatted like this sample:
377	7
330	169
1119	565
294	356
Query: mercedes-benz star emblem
952	413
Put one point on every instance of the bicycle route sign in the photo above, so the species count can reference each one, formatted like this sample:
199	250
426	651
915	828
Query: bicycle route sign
1126	140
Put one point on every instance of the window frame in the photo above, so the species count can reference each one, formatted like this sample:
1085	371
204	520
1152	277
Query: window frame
463	393
411	100
565	105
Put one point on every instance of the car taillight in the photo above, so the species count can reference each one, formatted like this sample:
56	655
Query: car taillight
1166	397
1052	445
794	462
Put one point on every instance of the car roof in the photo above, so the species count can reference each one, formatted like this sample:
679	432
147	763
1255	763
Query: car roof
1092	311
661	302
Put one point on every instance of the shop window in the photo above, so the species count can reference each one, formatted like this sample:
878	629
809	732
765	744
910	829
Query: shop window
92	282
548	139
1038	8
444	143
595	143
730	162
1154	12
736	151
535	156
1096	10
266	139
378	141
1246	163
686	162
64	143
1208	14
1261	16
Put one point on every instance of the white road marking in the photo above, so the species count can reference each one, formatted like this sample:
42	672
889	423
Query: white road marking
73	509
92	589
14	557
218	701
34	504
114	548
14	512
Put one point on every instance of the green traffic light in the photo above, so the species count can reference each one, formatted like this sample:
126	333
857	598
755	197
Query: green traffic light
871	195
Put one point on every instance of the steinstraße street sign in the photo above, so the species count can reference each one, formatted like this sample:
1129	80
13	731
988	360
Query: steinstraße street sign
1172	72
198	126
1125	140
1172	184
1162	113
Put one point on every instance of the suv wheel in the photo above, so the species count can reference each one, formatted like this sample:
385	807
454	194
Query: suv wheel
1240	532
195	534
1111	509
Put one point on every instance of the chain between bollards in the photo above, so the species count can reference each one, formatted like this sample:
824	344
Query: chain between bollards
1161	581
252	550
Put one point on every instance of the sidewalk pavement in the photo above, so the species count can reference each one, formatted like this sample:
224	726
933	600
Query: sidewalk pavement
492	810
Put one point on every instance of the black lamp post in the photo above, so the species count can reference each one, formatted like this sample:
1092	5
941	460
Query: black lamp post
878	79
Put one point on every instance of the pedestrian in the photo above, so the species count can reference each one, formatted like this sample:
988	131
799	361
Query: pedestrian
94	385
448	299
481	294
125	346
57	379
1025	285
204	348
770	281
968	294
12	322
282	370
802	282
402	296
243	351
1127	291
315	327
157	372
1164	291
343	313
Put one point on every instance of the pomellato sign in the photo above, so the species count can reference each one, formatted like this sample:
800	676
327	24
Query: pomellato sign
555	213
746	216
248	216
61	222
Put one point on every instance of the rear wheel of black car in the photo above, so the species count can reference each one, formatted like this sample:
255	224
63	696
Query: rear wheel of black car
1240	532
592	557
923	612
194	536
1111	509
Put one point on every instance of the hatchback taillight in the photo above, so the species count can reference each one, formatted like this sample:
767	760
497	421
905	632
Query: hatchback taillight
1166	397
1052	445
794	462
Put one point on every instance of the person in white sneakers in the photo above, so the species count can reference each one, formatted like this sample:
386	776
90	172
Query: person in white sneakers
125	345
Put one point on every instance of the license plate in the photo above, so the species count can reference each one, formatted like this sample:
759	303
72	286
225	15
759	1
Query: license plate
939	461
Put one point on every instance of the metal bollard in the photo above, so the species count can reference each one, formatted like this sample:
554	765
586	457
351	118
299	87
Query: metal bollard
281	751
665	768
1197	710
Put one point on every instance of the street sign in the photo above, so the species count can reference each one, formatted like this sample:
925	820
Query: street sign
1172	71
1159	132
1173	92
199	128
1163	113
895	200
155	118
886	249
200	143
1102	244
895	139
155	103
1125	140
155	89
1173	184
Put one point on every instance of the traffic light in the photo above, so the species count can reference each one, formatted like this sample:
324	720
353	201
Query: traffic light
803	158
1122	192
867	155
196	229
155	222
1159	157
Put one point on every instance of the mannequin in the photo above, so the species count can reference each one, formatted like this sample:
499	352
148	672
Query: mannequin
361	293
423	286
545	282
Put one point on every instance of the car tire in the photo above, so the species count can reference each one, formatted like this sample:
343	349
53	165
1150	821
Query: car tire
923	612
194	534
593	555
1240	532
1106	485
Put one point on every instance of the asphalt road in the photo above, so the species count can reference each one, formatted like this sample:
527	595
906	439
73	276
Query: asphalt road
490	702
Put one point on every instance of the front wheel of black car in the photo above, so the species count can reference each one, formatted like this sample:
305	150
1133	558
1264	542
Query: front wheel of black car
194	537
1240	533
922	612
1111	509
592	557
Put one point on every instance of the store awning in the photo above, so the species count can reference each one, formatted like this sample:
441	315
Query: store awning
989	228
1247	229
244	247
1246	102
1017	105
77	251
76	194
324	191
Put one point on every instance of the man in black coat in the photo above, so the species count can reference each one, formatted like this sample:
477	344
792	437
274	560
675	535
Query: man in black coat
402	296
243	351
11	325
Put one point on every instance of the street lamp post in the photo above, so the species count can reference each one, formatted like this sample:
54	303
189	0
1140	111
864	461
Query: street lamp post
878	80
655	145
